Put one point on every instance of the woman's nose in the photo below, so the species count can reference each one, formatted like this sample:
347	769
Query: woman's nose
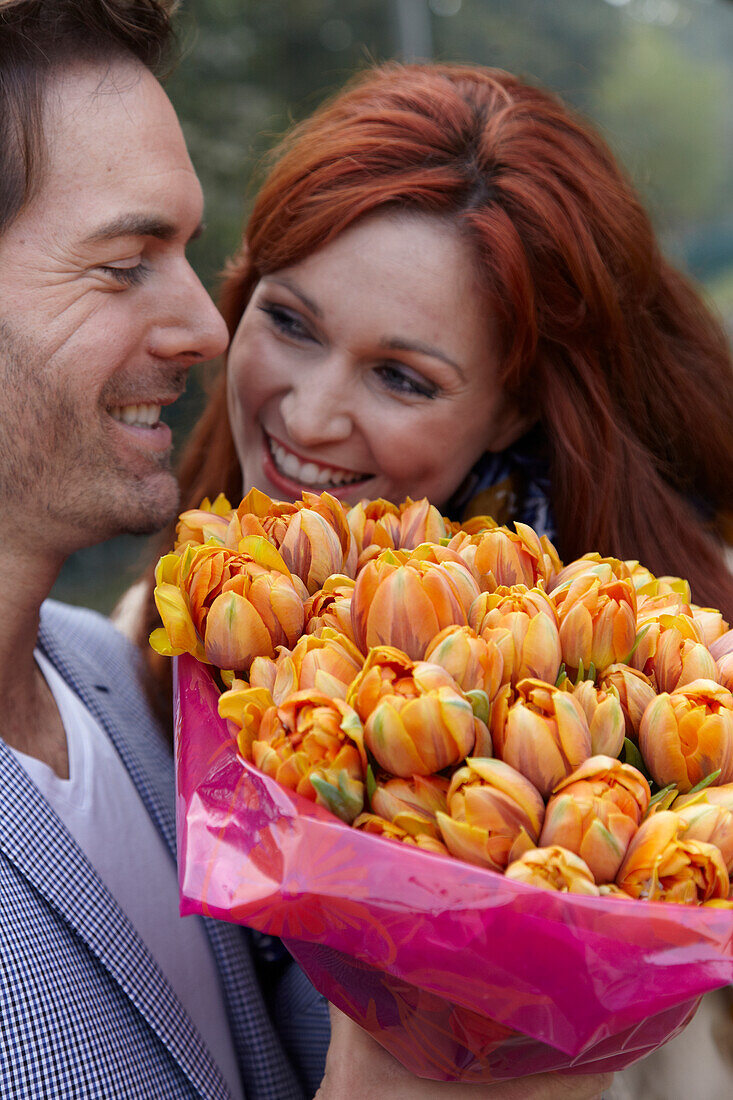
316	408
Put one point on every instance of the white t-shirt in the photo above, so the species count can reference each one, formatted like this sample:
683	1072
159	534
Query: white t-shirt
103	811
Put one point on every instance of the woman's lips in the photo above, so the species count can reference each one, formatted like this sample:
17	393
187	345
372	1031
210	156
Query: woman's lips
292	475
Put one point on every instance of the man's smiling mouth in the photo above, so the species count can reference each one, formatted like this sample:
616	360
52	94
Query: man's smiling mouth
137	416
309	472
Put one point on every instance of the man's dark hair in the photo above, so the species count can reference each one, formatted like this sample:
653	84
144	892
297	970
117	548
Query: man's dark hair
37	38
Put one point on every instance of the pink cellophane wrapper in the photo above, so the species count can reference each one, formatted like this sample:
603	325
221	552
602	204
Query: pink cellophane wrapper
462	974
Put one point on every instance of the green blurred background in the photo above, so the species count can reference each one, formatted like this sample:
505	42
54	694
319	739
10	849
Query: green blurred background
656	76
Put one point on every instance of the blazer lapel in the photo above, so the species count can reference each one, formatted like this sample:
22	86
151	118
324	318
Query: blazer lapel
44	852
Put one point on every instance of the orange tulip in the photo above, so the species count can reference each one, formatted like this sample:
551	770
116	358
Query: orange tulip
378	826
530	618
494	815
722	652
553	868
411	803
595	813
687	734
716	796
634	692
331	606
661	864
311	534
604	715
672	652
593	565
420	522
711	823
327	663
710	622
404	602
207	523
244	707
498	556
597	614
225	608
474	663
543	733
416	720
312	744
374	523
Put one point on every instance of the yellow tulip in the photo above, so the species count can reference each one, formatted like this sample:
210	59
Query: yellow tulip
313	744
597	613
327	663
687	734
416	720
244	707
595	812
207	523
604	715
553	868
543	733
494	814
378	826
411	803
661	864
634	692
406	605
646	584
225	608
474	663
531	620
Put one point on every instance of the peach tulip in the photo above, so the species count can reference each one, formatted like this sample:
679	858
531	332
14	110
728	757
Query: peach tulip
379	826
553	868
687	734
530	618
597	613
634	691
411	803
662	864
604	715
327	662
474	663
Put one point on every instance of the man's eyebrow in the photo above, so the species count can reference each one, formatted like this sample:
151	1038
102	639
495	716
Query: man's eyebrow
138	225
398	344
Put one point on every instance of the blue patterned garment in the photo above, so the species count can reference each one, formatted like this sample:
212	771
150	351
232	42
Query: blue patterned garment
510	485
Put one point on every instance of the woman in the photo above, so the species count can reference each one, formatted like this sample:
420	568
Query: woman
447	288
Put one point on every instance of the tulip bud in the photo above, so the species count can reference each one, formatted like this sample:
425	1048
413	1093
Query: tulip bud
661	864
721	651
553	868
330	607
710	623
374	523
712	824
416	720
634	692
595	813
543	733
207	523
597	619
495	814
327	662
531	620
593	565
498	556
378	826
406	605
715	796
411	803
688	734
420	522
474	663
604	715
313	744
646	584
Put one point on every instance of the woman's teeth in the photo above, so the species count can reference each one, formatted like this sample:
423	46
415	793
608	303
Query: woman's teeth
309	473
139	416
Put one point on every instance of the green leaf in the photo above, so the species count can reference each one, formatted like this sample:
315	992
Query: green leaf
371	783
445	540
561	676
581	673
591	672
338	800
706	782
671	788
631	755
639	637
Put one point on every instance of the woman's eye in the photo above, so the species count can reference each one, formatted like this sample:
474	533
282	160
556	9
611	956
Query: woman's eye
127	276
401	380
286	322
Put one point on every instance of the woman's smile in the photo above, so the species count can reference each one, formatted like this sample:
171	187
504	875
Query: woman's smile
282	462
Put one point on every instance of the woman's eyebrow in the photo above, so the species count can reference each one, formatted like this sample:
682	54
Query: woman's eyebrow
397	343
307	302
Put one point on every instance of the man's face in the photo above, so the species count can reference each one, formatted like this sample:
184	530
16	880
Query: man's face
100	314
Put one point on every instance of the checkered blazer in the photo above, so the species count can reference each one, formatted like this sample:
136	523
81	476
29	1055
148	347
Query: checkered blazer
84	1010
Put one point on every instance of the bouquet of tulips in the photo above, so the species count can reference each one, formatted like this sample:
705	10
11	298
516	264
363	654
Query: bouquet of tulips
444	767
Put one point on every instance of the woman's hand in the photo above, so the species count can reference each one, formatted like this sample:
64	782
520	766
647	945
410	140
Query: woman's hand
358	1068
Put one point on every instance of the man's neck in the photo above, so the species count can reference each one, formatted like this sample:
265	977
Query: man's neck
30	721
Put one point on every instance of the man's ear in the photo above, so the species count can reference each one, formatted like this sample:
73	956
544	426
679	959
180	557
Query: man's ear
511	423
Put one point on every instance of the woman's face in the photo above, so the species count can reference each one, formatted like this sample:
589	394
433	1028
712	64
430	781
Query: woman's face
368	369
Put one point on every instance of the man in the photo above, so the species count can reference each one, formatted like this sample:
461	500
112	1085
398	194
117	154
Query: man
105	992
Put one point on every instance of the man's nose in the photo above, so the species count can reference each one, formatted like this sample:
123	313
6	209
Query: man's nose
316	408
191	329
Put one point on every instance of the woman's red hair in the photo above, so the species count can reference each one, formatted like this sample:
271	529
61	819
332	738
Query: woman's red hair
614	350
